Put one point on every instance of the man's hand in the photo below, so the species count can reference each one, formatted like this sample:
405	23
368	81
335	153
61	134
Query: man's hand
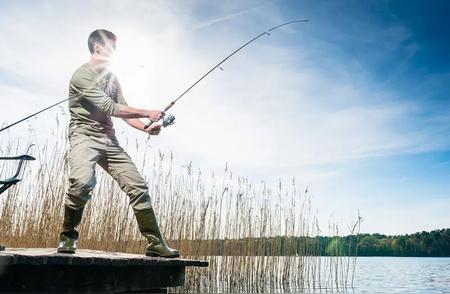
155	115
154	129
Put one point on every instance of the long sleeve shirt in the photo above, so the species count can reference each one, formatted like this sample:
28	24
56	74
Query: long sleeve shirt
94	98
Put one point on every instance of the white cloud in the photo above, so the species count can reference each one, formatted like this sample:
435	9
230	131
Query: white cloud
276	110
266	106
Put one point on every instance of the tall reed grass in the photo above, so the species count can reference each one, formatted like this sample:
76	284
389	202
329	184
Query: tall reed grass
194	209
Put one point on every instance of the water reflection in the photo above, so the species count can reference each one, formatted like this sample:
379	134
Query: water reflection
321	275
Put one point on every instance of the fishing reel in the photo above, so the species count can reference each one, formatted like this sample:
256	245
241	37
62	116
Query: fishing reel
168	120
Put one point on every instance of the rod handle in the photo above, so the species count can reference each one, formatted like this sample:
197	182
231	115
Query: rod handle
148	125
165	110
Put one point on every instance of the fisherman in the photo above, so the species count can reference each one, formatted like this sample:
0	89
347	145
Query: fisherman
94	96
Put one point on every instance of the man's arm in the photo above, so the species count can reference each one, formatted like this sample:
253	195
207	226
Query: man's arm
136	123
127	112
84	84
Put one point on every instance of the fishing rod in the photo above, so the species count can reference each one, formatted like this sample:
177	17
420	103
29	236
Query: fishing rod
171	119
80	94
31	115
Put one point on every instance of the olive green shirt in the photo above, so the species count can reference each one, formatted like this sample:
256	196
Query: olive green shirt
93	99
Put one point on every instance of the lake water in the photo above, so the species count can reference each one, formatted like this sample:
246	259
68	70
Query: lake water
372	275
402	275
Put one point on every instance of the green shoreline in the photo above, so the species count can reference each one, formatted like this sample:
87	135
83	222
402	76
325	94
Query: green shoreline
421	244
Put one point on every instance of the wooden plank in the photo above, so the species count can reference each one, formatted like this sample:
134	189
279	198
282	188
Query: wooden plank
44	270
36	256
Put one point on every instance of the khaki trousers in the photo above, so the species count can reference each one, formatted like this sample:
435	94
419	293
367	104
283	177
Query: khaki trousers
85	152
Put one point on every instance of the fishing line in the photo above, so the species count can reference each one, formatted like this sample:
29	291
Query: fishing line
80	94
170	119
225	59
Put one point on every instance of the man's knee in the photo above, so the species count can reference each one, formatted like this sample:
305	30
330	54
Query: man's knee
136	188
140	202
139	197
132	183
79	191
81	184
76	202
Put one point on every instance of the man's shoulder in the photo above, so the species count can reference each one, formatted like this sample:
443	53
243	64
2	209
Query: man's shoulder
81	72
109	74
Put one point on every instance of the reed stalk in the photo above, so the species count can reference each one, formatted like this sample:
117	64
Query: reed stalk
198	214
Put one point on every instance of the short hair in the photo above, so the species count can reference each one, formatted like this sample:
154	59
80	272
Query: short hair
99	36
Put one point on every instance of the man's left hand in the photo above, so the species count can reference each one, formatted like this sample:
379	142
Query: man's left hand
154	129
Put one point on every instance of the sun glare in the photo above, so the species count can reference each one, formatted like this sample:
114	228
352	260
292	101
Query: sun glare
131	65
143	64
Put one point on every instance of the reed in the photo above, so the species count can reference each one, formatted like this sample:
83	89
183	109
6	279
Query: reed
195	212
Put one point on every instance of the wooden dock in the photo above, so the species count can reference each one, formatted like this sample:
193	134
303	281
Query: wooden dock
44	270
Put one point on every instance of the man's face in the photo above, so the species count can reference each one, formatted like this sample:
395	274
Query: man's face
105	52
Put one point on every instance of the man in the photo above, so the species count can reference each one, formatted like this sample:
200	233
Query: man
95	95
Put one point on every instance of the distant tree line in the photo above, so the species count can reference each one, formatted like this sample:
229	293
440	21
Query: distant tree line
433	244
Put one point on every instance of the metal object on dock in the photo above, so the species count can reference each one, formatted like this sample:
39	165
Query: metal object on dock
8	183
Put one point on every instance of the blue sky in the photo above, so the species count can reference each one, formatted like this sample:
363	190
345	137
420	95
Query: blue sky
354	104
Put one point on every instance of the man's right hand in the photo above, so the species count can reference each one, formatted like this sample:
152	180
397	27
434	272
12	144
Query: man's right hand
155	115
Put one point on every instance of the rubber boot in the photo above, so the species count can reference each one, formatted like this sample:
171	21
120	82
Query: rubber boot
150	230
69	235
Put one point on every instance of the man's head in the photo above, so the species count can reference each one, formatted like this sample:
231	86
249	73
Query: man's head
102	44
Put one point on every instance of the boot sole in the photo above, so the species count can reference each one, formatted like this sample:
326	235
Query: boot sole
153	254
64	250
